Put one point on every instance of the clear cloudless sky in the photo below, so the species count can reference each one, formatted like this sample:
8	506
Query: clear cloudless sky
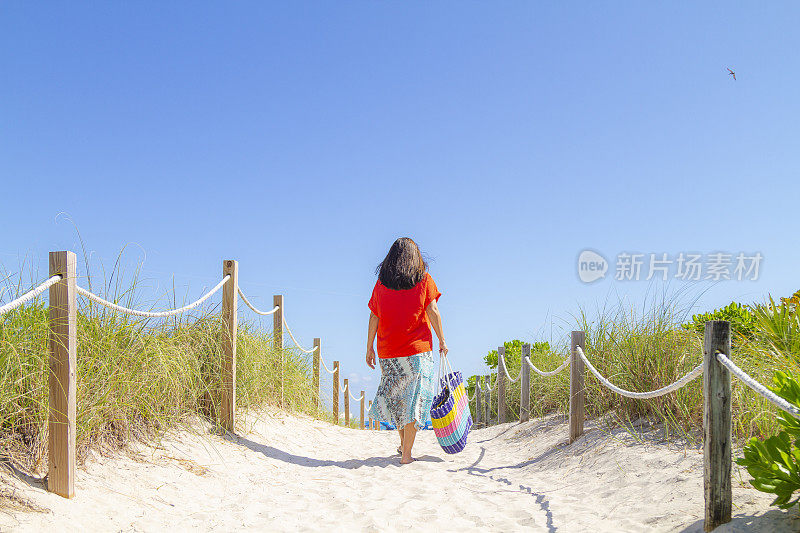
302	138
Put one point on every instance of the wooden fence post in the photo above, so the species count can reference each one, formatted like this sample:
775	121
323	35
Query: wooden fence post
370	418
346	403
716	425
230	323
478	403
363	399
336	392
501	385
277	322
488	418
315	381
525	386
277	332
576	387
62	362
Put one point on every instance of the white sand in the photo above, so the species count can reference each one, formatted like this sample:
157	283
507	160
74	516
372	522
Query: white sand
290	473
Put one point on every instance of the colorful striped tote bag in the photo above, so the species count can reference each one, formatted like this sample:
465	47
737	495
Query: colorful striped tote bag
450	414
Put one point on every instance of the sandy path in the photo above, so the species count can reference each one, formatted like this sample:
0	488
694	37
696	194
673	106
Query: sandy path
296	474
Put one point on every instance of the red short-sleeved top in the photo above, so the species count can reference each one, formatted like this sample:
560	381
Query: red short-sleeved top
403	326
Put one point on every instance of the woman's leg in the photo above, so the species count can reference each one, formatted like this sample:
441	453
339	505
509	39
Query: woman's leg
400	448
409	432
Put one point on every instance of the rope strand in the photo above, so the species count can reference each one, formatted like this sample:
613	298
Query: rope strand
30	295
758	387
321	360
563	365
295	340
152	314
251	306
696	371
347	389
505	369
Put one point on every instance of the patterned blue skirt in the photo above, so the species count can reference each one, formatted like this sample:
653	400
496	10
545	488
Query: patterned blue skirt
406	390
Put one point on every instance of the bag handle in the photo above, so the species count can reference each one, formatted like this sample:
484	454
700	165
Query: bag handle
444	362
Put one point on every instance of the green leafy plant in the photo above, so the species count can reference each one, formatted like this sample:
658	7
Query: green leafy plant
792	301
514	353
775	462
743	320
779	326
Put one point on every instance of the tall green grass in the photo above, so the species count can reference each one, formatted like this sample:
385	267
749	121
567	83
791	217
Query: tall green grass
136	378
644	350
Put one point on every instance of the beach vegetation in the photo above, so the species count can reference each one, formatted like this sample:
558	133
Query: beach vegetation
137	377
646	348
774	463
742	318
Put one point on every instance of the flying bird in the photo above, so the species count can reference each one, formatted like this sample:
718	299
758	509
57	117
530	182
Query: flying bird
732	73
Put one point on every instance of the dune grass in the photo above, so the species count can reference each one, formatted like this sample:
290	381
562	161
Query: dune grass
137	378
641	351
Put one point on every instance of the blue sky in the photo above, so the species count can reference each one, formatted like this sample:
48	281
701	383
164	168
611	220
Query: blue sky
302	138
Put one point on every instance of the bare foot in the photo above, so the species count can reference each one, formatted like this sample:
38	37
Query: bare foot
405	462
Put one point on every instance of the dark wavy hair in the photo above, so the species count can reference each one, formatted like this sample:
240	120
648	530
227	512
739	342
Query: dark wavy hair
403	267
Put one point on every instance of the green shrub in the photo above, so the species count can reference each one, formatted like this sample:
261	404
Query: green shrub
775	462
514	353
779	328
743	321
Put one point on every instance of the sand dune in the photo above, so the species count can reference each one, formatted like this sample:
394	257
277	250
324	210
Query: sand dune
290	473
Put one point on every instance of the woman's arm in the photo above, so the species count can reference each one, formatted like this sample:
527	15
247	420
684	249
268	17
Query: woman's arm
372	330
435	318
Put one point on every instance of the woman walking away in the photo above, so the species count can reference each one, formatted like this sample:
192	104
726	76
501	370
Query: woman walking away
402	310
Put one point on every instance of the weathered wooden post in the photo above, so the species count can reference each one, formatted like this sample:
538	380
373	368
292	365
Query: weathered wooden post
501	384
62	362
230	324
716	425
488	407
277	332
525	385
336	392
346	403
315	381
277	322
363	399
371	425
478	402
576	387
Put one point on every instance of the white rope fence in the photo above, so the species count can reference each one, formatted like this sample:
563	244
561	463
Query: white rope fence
758	387
561	367
505	369
251	306
347	390
152	314
329	371
696	371
30	295
295	340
